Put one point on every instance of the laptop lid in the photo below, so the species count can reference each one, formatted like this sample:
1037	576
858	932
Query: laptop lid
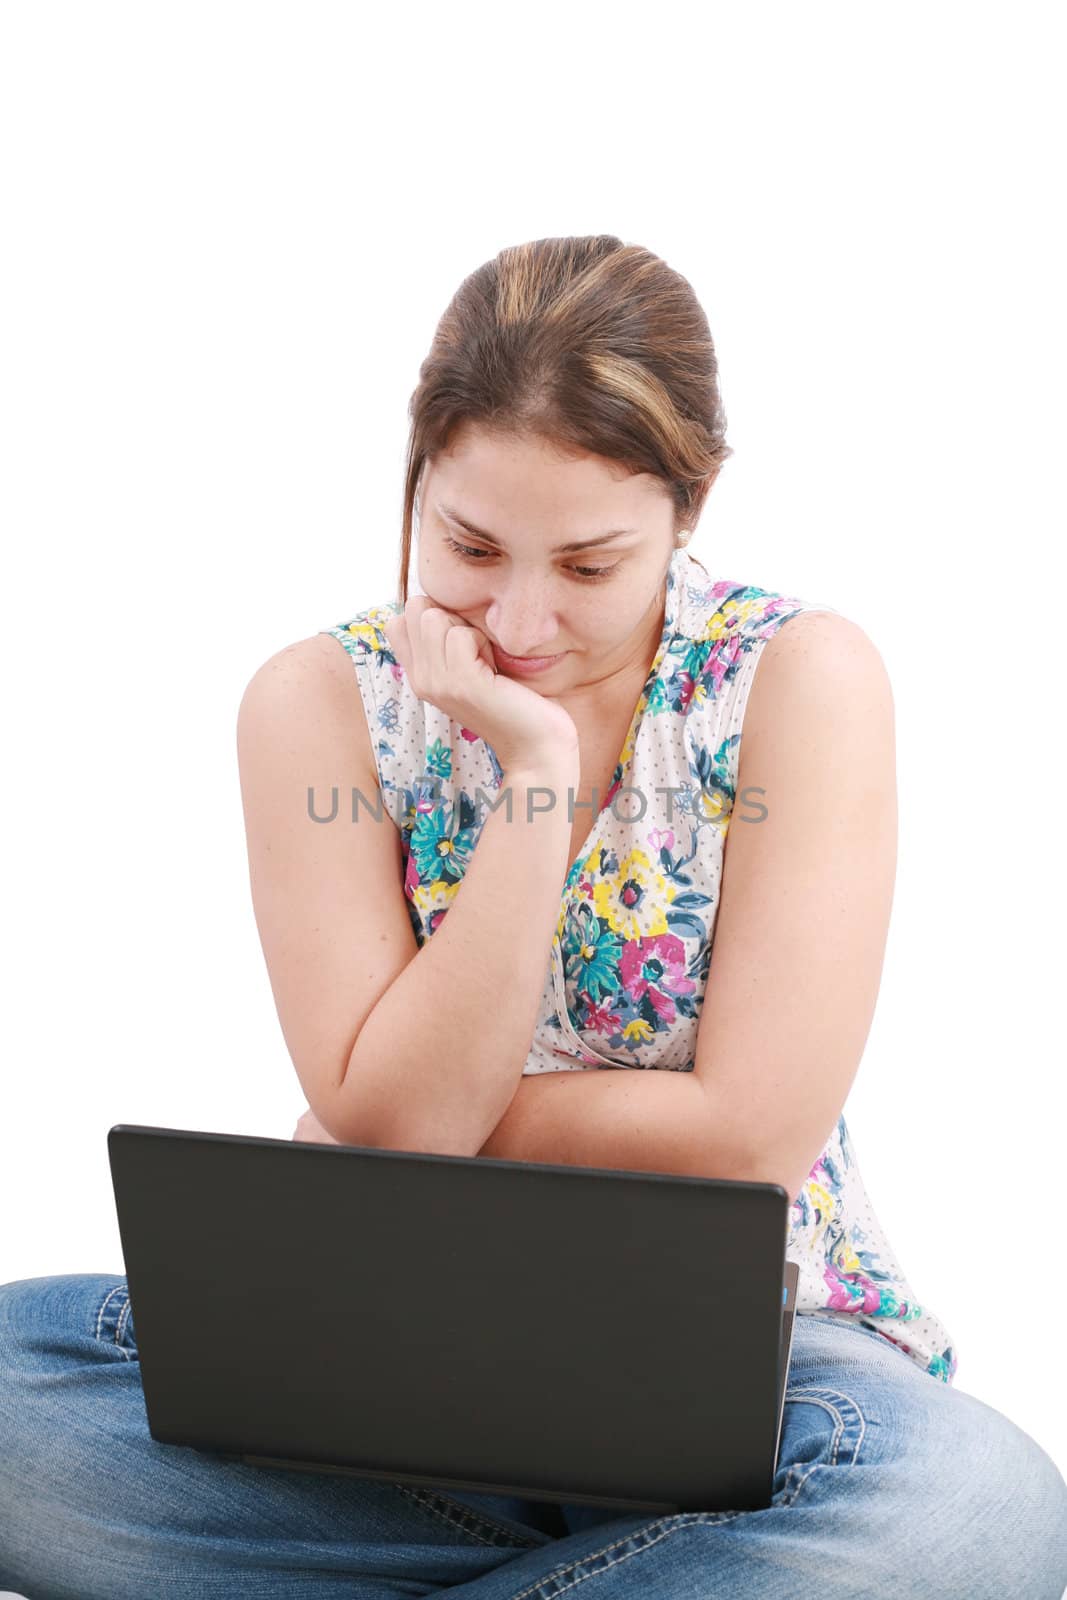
563	1333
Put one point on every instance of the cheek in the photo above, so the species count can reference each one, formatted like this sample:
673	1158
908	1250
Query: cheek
616	610
450	585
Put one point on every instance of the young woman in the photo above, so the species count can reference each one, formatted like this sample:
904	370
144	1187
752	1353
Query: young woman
608	896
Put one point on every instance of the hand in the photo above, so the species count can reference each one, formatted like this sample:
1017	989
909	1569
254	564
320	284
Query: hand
309	1130
450	663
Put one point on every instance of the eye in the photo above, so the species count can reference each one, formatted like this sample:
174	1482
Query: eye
586	574
592	574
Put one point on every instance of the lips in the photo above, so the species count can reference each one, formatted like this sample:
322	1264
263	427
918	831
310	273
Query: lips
530	659
525	664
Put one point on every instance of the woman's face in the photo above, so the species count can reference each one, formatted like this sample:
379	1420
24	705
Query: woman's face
599	609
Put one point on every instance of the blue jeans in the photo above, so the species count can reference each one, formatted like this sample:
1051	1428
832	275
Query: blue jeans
890	1483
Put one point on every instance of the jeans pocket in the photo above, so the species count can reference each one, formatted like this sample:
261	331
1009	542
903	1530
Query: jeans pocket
821	1427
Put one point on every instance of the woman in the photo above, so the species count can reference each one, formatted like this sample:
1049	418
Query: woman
545	758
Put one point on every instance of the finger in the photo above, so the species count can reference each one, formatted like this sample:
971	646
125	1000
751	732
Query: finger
415	606
399	629
434	626
460	648
433	622
396	636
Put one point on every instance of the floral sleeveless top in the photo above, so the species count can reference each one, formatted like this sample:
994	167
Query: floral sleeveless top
633	943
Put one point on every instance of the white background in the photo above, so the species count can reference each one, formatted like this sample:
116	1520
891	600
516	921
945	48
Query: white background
229	231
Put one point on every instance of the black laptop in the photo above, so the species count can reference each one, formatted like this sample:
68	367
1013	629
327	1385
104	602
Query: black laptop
571	1334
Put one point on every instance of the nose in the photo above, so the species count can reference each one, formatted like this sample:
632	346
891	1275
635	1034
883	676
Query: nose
522	624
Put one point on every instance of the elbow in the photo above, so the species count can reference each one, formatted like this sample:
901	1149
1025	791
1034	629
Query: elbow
355	1118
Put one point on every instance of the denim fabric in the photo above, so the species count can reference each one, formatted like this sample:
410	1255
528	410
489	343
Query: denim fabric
890	1483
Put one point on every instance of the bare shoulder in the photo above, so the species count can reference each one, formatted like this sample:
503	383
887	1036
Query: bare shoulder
817	664
319	659
310	684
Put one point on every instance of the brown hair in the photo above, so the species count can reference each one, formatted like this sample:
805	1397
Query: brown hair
588	343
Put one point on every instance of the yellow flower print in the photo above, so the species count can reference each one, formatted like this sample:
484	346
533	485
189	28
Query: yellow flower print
431	897
638	1030
633	901
731	618
822	1203
713	805
367	635
846	1259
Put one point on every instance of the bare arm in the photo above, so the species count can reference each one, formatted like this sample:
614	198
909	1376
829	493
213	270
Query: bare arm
439	1058
770	1079
617	1118
395	1046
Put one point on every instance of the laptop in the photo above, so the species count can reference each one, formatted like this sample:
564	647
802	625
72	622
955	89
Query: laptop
570	1334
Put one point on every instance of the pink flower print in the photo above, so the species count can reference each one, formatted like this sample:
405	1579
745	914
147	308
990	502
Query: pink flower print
655	967
411	875
601	1018
718	665
851	1291
465	733
661	838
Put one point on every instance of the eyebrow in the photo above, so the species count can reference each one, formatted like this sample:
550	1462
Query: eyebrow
560	549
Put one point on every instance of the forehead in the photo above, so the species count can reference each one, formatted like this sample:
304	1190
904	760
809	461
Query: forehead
503	483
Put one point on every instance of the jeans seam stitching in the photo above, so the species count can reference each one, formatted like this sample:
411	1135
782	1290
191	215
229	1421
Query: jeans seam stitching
684	1519
817	1396
120	1326
456	1514
103	1307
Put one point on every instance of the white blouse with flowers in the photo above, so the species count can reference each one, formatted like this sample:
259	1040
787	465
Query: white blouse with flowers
633	942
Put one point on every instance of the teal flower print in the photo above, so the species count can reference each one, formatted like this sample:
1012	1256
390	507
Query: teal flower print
943	1366
438	852
439	759
591	953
